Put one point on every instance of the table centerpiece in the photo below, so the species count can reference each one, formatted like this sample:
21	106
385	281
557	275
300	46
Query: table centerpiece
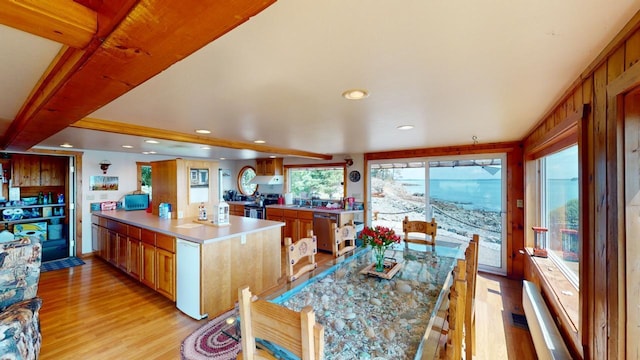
380	238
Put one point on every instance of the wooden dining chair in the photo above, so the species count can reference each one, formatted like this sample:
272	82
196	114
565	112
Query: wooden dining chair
303	249
343	238
452	348
295	331
471	259
411	227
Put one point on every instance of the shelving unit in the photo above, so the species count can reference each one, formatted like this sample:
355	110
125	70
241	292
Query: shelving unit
30	219
51	248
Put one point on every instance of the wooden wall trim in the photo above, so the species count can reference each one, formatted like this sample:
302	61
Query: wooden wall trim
561	135
488	148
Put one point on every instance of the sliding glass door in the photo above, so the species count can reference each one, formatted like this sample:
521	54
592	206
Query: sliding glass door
464	195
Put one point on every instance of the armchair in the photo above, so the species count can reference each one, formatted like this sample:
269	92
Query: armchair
20	336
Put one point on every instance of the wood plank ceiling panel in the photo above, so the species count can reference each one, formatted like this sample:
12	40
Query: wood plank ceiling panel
154	35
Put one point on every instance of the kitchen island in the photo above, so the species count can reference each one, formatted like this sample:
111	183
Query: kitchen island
200	266
300	219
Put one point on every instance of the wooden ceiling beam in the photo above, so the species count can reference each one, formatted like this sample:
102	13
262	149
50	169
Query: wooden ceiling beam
154	35
137	130
63	21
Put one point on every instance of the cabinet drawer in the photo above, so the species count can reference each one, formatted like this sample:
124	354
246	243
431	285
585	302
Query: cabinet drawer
117	226
103	222
274	212
134	232
305	215
166	242
148	236
290	213
95	220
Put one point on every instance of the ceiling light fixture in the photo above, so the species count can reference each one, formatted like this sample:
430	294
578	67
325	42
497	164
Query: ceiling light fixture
152	152
205	148
405	127
127	146
259	141
152	141
355	94
66	145
203	131
223	158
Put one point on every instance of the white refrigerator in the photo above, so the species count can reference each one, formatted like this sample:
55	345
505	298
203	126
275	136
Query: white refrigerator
188	279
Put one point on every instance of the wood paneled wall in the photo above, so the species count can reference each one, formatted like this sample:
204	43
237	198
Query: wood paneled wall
601	133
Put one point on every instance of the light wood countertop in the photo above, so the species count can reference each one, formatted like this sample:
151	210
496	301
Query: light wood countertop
188	228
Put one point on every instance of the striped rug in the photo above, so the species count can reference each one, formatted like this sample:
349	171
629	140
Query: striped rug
210	342
61	264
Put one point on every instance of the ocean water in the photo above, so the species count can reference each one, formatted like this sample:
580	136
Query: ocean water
485	194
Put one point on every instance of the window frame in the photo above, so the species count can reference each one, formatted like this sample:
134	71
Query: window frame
239	183
542	211
287	169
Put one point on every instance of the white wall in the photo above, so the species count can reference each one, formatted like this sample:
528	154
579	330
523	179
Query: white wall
123	166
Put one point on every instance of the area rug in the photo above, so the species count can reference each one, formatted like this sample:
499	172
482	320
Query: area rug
209	342
61	264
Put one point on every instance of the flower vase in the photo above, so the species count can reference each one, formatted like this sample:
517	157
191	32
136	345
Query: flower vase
379	252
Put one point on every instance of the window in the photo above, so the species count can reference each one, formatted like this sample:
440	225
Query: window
144	177
321	182
245	175
560	208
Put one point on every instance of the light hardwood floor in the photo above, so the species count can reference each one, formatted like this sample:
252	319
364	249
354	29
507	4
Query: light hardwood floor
95	311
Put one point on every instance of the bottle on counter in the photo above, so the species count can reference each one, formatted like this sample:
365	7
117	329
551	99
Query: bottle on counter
202	212
40	198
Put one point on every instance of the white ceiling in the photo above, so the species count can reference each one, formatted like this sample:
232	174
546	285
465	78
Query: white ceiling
453	69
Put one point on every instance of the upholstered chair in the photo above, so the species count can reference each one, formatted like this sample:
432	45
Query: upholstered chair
20	336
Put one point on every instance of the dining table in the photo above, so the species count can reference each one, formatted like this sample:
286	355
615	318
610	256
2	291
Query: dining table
373	316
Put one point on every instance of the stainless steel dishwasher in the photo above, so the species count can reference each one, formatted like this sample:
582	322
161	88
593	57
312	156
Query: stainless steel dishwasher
322	229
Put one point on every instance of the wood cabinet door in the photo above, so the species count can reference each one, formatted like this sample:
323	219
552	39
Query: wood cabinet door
112	247
26	170
166	273
53	170
291	229
304	225
102	242
134	259
148	265
122	252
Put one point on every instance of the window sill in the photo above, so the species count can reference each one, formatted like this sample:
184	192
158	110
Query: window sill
562	296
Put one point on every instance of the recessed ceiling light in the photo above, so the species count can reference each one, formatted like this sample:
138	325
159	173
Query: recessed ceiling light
405	127
272	156
203	131
259	141
355	94
152	152
66	145
152	141
145	152
223	158
127	146
205	148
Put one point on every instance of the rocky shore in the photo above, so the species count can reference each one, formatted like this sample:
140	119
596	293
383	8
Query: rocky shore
456	222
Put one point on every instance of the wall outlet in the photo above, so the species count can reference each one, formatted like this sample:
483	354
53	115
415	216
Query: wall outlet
520	203
243	239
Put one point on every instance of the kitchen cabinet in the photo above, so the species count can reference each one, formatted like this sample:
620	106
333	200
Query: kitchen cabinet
305	223
172	184
236	209
166	265
145	255
38	170
269	166
133	251
290	219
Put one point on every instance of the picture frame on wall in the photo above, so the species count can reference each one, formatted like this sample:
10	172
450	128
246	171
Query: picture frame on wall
108	183
199	177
